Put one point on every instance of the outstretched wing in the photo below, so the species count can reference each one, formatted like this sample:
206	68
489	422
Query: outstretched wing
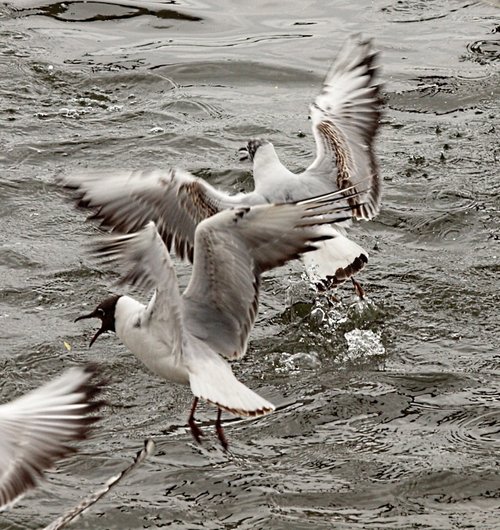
232	249
143	260
345	119
35	429
125	201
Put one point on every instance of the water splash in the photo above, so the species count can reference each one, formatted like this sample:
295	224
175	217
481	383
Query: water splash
287	363
362	344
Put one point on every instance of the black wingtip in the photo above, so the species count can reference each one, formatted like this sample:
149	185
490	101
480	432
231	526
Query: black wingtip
342	274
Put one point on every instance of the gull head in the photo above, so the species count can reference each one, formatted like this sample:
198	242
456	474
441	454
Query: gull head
106	312
248	152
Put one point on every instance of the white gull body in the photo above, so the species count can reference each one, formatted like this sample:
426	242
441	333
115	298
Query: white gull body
186	338
345	117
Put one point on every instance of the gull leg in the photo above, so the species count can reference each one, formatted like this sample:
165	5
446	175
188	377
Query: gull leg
195	430
220	431
326	287
331	298
359	290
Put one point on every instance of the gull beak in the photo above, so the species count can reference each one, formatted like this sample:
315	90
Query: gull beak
243	154
95	314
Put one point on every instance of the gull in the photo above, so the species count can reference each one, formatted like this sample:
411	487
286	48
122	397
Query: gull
35	429
345	117
186	338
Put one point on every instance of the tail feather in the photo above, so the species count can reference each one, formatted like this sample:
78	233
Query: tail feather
335	261
212	379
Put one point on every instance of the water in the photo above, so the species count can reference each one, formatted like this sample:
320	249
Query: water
388	412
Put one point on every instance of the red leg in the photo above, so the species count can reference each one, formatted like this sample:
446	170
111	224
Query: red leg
195	430
220	431
359	290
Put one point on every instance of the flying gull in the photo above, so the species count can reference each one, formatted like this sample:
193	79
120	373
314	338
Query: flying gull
345	118
35	429
184	338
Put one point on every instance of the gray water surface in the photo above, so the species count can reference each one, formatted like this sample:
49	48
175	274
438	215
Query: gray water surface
388	412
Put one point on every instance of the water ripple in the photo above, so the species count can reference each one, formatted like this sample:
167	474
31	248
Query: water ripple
387	411
484	51
99	11
408	11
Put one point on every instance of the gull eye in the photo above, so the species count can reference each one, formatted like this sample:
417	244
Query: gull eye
100	311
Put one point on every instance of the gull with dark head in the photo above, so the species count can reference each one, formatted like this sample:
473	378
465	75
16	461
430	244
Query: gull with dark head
35	429
345	117
186	338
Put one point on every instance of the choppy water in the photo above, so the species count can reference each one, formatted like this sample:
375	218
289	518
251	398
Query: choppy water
388	412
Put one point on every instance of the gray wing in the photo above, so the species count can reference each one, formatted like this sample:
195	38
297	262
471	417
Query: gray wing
35	429
345	119
144	261
232	249
125	201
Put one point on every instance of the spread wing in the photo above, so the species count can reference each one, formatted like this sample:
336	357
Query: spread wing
125	201
232	249
345	119
144	261
35	429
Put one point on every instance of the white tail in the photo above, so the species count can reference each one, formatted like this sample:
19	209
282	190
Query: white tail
212	379
335	261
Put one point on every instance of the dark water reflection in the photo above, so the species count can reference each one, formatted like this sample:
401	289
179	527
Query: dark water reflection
388	413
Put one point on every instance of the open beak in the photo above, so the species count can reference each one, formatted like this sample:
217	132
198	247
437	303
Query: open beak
94	314
243	153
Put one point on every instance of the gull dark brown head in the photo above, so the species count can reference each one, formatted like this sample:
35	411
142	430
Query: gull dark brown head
248	152
106	312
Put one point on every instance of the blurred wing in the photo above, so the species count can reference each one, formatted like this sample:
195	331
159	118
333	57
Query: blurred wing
125	201
232	249
145	262
35	429
345	119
